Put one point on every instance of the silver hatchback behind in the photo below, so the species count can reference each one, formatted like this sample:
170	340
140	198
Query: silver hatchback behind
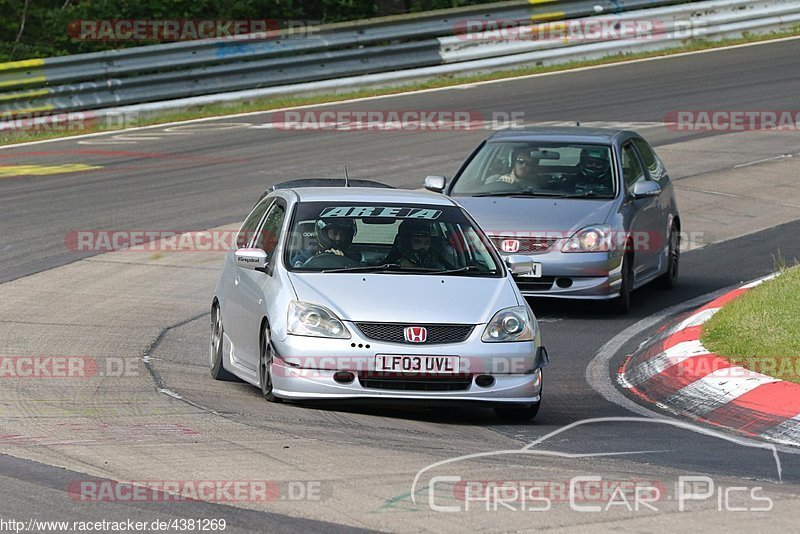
593	208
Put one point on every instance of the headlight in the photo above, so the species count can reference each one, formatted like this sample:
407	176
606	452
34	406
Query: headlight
510	324
311	320
594	238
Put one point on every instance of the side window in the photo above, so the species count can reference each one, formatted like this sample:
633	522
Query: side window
632	169
270	232
651	161
250	224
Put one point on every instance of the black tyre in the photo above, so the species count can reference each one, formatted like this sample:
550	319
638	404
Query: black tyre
622	304
669	279
265	364
218	371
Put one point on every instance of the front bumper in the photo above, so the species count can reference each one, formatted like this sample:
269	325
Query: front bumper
576	275
305	367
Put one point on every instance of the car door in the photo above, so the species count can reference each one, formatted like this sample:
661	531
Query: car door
256	286
666	201
232	302
644	216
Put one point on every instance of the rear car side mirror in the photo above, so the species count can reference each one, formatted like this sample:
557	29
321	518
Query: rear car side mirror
435	183
646	189
518	264
251	258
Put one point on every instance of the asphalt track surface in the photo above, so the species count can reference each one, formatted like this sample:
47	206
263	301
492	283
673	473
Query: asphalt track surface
204	175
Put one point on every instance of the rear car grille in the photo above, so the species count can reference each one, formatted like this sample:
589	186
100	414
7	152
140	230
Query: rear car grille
535	284
437	333
398	381
527	245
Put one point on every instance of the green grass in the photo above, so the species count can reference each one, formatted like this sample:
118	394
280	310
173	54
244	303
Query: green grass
267	104
760	330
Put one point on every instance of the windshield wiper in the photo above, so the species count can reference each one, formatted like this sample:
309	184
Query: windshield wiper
460	270
585	194
377	268
520	194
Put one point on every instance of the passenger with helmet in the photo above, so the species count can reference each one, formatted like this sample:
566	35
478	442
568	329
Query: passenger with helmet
418	244
594	172
334	236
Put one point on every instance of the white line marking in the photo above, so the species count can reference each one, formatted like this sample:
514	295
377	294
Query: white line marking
756	162
716	389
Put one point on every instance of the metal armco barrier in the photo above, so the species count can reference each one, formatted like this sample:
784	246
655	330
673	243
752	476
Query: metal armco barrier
387	50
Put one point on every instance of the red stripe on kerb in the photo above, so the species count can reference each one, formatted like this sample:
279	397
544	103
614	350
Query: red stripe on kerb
759	410
687	334
724	299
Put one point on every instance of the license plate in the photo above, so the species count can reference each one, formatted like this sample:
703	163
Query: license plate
535	272
398	363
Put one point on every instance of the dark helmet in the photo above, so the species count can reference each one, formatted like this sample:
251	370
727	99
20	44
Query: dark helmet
347	226
410	228
594	162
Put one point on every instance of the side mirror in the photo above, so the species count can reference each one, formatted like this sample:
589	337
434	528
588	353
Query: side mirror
646	189
251	258
435	183
518	264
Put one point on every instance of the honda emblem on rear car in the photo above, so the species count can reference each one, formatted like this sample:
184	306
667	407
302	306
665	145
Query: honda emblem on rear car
415	334
509	245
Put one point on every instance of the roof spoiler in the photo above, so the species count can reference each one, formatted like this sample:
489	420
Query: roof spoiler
329	182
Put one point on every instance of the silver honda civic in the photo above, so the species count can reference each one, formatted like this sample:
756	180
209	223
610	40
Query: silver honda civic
593	208
374	293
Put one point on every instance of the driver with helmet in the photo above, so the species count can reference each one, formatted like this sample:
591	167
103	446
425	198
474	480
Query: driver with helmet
417	245
334	236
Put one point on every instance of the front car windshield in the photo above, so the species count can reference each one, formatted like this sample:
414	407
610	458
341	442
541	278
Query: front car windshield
387	238
539	169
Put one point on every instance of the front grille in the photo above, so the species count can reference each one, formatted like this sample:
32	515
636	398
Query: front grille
527	245
437	333
535	284
398	381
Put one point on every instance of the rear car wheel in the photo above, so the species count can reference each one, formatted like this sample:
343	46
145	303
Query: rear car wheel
669	279
622	304
265	366
218	371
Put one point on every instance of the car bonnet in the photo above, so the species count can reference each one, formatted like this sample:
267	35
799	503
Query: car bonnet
405	298
502	215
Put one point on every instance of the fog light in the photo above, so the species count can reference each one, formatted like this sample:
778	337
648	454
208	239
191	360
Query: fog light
484	381
564	283
344	377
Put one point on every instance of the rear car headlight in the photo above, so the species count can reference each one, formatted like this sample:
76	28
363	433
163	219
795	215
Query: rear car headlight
595	238
307	319
510	324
